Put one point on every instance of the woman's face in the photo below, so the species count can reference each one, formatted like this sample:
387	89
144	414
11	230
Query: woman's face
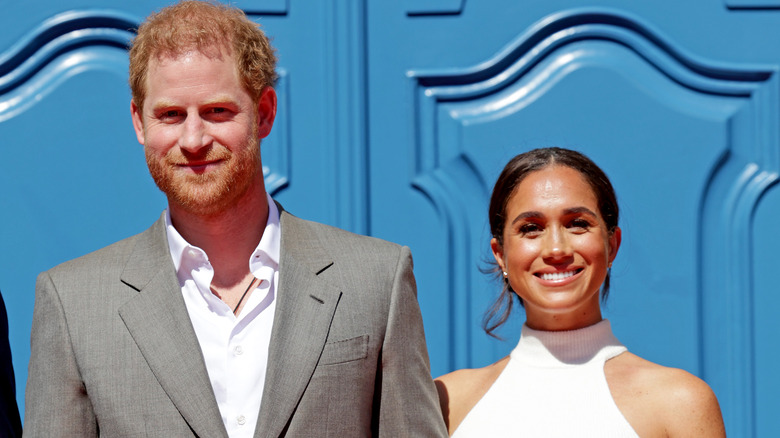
556	249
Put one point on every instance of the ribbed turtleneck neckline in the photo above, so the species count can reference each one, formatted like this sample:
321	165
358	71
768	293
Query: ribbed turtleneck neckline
594	343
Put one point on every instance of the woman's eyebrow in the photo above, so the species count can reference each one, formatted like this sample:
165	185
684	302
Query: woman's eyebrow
576	210
526	215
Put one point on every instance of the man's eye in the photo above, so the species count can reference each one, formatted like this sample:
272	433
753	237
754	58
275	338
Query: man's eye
219	113
170	114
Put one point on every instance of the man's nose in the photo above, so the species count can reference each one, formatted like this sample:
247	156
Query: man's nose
194	135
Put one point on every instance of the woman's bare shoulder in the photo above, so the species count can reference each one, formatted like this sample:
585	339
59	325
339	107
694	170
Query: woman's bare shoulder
663	401
459	391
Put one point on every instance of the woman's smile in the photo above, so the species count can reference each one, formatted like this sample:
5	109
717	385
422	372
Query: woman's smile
558	278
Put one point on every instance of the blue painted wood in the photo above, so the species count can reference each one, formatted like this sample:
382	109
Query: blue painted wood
264	7
58	49
345	124
394	120
767	305
677	131
753	4
276	166
434	7
321	49
577	40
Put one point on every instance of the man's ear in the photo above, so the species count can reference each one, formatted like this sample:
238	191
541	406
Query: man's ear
138	121
266	111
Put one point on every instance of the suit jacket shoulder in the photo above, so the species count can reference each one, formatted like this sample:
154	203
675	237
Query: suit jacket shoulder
308	235
112	260
111	340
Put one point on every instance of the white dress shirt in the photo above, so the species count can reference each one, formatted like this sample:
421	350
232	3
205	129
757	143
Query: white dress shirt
235	348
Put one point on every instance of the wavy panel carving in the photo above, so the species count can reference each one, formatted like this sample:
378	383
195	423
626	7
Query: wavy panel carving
434	7
57	49
449	102
265	7
753	4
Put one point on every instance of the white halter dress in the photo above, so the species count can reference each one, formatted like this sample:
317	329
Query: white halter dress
553	386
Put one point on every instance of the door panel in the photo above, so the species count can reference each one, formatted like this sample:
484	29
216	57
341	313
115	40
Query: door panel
394	120
688	140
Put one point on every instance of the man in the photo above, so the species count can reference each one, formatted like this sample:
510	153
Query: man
10	423
229	316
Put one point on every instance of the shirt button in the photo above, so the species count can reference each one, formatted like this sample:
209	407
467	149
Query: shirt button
241	420
239	351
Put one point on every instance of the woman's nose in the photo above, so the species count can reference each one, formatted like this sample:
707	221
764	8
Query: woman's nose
557	244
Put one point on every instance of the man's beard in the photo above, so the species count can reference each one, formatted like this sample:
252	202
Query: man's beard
208	193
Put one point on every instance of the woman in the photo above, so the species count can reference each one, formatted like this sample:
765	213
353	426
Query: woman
554	221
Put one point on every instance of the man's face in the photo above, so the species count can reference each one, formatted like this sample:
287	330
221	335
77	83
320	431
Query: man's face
200	130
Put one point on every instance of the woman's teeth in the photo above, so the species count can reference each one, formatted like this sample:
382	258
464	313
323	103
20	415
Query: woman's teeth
557	276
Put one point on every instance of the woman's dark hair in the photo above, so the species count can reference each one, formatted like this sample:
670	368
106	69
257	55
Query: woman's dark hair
513	174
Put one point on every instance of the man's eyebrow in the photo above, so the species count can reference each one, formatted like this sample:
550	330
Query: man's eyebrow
216	100
162	103
221	99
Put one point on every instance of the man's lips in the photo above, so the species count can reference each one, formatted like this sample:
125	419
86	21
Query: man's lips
198	166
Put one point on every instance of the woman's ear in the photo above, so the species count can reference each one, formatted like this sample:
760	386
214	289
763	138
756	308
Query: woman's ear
614	243
498	253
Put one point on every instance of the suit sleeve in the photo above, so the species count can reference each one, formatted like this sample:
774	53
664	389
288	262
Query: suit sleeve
407	398
56	401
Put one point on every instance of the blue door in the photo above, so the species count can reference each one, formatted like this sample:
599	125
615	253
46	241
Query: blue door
395	119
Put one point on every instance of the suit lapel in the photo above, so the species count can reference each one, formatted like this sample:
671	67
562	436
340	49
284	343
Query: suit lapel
304	311
158	321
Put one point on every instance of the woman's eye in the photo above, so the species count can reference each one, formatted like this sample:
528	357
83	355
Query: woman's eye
530	229
579	223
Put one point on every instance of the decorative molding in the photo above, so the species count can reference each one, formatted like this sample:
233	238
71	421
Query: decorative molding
265	7
726	239
434	7
276	165
60	47
753	4
345	123
448	99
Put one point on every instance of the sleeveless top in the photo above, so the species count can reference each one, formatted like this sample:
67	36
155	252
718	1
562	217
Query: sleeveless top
553	386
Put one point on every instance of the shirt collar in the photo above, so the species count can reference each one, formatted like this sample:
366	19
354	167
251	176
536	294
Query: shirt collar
266	253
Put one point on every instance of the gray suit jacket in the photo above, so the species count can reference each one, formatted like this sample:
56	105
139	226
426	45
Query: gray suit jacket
114	352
